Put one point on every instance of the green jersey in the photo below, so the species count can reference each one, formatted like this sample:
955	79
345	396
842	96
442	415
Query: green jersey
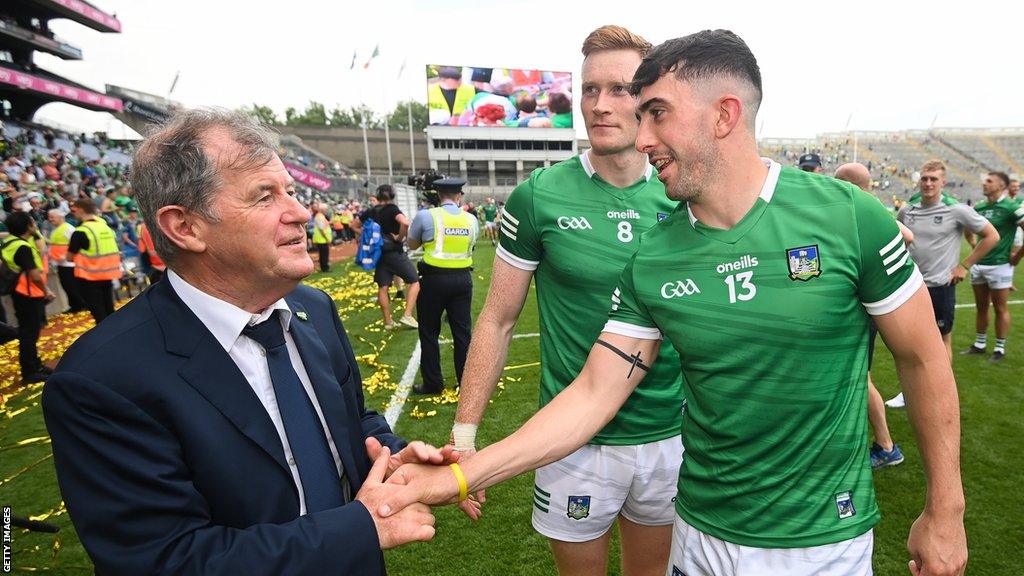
1005	215
577	232
490	212
770	319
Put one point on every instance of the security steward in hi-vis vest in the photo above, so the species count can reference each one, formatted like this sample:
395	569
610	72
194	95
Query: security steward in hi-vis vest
93	248
30	293
58	249
447	234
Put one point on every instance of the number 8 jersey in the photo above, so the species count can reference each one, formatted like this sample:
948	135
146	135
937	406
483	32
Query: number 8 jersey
770	319
577	231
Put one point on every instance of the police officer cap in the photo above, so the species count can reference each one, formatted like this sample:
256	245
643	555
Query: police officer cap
449	185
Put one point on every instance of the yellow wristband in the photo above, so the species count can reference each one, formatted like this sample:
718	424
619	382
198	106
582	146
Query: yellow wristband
463	487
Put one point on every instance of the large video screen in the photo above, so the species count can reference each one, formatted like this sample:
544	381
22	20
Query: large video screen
498	97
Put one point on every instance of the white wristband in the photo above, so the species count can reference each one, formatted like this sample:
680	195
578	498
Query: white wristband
464	436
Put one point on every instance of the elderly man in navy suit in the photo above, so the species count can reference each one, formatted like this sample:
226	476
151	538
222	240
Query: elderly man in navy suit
216	424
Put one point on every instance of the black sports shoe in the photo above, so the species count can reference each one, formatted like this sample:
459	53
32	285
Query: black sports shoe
422	389
972	349
997	356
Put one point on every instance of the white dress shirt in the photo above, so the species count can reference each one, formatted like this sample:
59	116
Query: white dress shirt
226	321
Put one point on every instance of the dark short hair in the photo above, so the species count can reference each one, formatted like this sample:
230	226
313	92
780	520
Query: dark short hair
1002	176
700	56
85	205
18	223
385	193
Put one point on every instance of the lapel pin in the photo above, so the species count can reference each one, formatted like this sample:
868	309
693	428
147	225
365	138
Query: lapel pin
302	316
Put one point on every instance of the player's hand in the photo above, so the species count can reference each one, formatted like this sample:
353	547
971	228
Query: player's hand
420	483
937	545
415	452
473	507
405	524
959	273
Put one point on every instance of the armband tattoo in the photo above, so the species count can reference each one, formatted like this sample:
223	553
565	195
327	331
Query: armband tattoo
635	361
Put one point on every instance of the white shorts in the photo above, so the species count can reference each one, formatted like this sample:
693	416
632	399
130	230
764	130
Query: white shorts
490	225
998	277
695	553
577	498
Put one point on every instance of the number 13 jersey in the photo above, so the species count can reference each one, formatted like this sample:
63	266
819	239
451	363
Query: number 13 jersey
770	319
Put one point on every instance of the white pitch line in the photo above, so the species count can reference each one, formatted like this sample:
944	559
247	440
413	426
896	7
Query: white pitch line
404	386
972	305
516	336
401	394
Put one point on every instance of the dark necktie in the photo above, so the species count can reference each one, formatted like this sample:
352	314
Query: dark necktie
321	485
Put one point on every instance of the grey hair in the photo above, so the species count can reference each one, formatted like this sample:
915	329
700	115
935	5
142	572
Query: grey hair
171	166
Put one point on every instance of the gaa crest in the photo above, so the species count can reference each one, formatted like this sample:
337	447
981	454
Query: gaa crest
804	262
579	507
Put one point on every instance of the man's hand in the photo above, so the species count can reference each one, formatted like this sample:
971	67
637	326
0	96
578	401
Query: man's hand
937	545
410	523
415	452
420	483
958	274
473	507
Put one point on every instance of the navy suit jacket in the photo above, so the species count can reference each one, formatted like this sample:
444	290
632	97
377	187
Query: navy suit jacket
169	464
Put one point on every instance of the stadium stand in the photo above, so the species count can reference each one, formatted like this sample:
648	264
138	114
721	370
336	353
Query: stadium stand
895	157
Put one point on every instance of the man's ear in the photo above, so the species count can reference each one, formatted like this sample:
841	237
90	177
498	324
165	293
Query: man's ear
182	228
730	110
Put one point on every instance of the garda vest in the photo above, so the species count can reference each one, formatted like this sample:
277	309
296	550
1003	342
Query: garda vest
146	246
102	259
452	246
337	222
25	287
321	229
59	243
463	95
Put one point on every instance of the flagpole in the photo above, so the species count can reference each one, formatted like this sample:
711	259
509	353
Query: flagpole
366	145
387	132
387	142
364	108
412	147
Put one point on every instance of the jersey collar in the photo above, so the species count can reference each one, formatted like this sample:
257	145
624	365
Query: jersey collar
767	189
589	168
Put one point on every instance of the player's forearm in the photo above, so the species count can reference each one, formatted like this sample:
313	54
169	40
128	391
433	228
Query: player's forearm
934	411
571	419
485	361
981	248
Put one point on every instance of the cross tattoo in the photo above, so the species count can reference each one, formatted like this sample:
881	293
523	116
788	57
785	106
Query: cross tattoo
635	361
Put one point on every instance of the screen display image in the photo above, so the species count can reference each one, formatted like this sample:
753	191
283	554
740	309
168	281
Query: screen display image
498	97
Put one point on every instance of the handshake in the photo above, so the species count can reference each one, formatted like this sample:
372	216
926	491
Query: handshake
400	487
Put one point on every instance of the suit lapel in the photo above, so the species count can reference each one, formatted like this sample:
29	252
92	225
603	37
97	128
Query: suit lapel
213	373
325	383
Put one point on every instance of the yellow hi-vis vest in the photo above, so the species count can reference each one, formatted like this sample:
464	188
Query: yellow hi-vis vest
25	286
102	259
321	229
59	242
463	95
454	238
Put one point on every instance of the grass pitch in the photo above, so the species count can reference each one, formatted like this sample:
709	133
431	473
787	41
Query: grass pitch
503	542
